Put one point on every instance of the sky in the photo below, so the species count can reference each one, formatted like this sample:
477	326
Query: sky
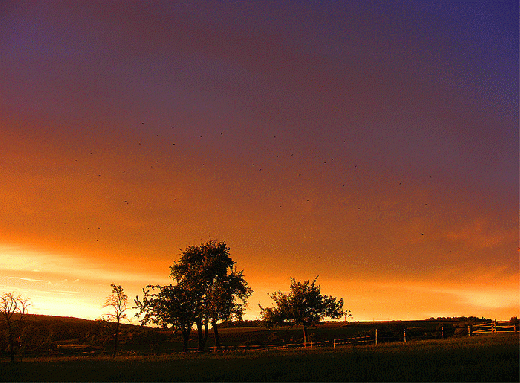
373	144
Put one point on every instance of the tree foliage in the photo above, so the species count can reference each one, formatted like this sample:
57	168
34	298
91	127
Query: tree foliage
12	311
218	290
303	305
117	300
169	306
207	289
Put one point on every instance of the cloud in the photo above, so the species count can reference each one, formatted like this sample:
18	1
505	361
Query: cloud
479	234
65	292
62	268
32	280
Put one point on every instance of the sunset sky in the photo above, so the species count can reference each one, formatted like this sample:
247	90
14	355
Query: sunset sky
372	143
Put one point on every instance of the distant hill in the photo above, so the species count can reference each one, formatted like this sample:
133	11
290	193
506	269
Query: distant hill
37	319
64	335
50	335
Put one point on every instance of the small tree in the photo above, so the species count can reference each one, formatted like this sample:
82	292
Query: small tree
12	311
303	305
117	301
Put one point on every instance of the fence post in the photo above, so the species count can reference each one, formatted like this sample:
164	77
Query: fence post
469	330
334	343
376	336
404	336
442	332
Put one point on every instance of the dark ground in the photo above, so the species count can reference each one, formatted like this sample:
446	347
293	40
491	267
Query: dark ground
493	357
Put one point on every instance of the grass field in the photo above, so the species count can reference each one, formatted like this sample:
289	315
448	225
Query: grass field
484	358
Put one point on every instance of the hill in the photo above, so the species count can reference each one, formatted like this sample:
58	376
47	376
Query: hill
57	335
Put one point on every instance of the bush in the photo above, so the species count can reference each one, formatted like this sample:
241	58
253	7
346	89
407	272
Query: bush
461	331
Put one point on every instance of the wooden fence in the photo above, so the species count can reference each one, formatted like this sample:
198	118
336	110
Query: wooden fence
369	339
492	327
366	339
356	340
374	338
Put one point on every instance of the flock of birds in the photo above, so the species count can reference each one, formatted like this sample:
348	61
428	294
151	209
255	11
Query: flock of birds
260	169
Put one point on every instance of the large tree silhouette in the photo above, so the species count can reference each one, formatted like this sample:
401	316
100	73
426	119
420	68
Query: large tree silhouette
207	289
218	290
303	305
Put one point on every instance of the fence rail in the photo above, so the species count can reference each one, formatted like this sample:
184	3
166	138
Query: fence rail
494	327
374	338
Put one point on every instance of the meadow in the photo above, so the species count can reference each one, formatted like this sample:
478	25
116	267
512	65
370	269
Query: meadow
493	357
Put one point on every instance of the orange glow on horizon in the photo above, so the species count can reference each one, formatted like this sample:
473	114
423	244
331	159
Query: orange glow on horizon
60	290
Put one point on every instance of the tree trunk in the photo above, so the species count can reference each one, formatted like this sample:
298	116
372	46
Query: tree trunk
11	341
202	333
198	322
116	339
217	337
206	331
305	335
186	331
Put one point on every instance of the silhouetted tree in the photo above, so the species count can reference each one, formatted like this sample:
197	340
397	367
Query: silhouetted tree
303	305
117	300
227	298
12	311
218	290
171	306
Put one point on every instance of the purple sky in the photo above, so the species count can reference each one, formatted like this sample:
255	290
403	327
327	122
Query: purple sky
372	143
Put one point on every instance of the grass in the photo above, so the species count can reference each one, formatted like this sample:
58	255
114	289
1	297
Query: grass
485	358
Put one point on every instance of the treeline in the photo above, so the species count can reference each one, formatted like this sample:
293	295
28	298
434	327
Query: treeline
209	290
471	319
206	290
